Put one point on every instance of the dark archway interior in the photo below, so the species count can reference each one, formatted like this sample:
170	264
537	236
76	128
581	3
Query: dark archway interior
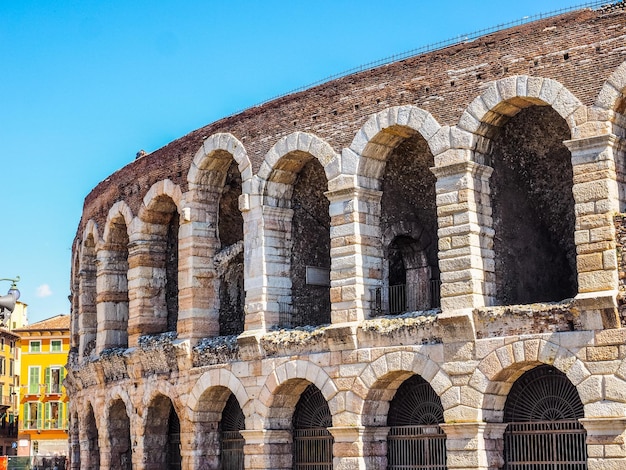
119	431
231	265
171	273
92	439
409	227
310	235
533	209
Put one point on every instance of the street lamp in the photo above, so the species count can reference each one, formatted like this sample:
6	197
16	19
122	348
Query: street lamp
7	302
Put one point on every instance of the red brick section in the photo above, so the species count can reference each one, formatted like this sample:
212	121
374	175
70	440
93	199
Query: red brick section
579	49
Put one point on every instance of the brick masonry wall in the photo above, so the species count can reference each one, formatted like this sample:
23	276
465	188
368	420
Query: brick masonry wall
579	49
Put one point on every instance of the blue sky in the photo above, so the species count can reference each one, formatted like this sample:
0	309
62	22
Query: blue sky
86	84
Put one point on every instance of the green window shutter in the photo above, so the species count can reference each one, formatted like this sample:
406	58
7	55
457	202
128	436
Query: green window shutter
39	415
26	418
46	423
33	380
47	380
61	378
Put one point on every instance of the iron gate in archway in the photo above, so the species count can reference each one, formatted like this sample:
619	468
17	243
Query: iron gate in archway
543	431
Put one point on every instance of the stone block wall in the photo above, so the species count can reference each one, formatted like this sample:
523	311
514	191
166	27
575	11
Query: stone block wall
493	168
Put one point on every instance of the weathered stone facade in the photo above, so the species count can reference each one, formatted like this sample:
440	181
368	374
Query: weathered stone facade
473	192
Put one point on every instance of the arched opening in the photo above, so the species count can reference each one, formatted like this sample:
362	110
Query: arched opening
415	439
312	442
162	436
171	273
533	209
161	247
231	440
310	251
119	436
92	448
229	260
409	231
542	411
113	295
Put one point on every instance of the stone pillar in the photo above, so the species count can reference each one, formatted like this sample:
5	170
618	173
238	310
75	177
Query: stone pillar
267	269
359	447
474	445
606	447
466	256
267	448
198	296
596	199
87	319
112	300
355	249
146	284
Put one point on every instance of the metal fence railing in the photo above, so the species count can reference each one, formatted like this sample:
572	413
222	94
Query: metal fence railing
415	447
545	445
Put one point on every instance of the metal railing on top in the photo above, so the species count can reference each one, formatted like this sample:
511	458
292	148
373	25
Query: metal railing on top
460	39
401	298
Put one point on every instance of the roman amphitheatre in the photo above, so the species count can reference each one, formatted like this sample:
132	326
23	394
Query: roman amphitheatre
418	265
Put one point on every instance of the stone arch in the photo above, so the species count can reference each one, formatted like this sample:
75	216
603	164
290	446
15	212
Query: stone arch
75	299
118	210
153	205
216	378
382	377
287	157
154	255
294	179
118	429
213	157
159	406
219	177
612	95
112	299
89	437
284	385
506	97
525	218
496	372
87	316
384	131
207	402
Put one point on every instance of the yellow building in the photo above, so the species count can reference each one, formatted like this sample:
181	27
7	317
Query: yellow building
9	391
43	402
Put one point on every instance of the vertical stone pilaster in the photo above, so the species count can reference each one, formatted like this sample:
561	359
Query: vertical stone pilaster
267	448
466	256
355	249
606	447
359	447
267	274
112	300
475	446
198	297
146	285
87	315
596	199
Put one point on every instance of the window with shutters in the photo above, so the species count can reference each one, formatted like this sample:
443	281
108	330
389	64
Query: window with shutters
3	366
34	346
55	345
54	379
32	415
33	380
54	415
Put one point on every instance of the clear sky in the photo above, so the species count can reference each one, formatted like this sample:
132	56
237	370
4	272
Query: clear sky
85	84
